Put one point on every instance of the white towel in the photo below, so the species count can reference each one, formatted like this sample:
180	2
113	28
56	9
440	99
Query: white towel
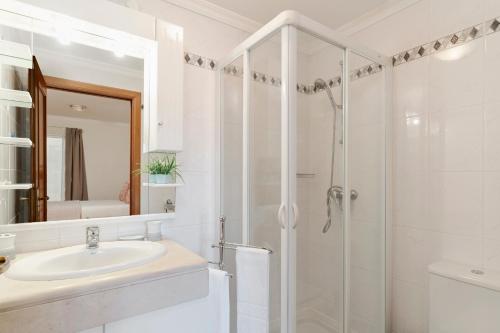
252	271
219	299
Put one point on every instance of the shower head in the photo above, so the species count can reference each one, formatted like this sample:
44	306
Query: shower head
319	83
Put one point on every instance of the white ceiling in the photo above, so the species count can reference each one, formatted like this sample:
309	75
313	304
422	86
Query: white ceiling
333	13
98	108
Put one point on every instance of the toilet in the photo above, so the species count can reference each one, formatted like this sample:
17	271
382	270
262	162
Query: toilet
463	299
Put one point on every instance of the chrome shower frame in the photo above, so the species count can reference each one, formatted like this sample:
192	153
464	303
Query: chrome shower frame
288	23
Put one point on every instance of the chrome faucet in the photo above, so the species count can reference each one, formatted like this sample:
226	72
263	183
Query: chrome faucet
92	237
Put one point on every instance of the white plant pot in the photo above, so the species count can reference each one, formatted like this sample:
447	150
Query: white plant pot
153	179
164	179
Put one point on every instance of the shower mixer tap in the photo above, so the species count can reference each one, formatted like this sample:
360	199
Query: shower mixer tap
336	193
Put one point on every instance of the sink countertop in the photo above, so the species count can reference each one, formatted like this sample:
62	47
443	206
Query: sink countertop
18	294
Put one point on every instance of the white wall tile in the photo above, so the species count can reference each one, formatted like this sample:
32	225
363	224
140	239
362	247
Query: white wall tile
448	16
457	83
399	32
411	88
491	193
491	9
492	136
409	304
456	139
414	249
492	68
456	203
492	253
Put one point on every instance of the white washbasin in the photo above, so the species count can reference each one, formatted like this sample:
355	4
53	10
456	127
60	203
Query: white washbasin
77	261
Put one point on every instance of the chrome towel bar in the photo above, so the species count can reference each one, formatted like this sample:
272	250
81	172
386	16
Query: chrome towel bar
234	246
230	246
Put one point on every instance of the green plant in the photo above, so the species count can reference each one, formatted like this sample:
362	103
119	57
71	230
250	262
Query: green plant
154	167
162	166
169	166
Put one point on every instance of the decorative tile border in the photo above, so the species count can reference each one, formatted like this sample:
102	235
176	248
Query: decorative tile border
447	42
199	61
308	89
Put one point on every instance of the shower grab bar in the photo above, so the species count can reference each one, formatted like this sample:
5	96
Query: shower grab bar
228	245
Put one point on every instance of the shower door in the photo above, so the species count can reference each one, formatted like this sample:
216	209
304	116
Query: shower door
251	167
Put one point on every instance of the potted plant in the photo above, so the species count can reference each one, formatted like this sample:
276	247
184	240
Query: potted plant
168	170
162	171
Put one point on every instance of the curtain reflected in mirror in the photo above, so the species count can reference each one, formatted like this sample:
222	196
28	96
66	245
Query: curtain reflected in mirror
76	177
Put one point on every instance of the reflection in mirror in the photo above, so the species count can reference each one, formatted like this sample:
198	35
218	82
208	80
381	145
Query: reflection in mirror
92	131
82	131
86	127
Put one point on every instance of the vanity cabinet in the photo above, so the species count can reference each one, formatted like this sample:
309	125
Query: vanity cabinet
166	115
190	317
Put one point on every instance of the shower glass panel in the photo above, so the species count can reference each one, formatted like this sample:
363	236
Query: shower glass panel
366	161
319	269
264	173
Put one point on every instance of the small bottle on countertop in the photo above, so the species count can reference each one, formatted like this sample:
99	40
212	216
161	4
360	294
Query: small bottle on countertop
153	230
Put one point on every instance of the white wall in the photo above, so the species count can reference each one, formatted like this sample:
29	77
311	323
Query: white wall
446	144
107	154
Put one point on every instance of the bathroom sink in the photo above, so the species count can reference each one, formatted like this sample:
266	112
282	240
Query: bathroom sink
78	261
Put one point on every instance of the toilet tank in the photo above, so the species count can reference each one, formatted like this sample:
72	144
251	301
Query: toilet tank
463	299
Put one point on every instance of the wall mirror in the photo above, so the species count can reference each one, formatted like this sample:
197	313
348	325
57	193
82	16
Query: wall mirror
80	149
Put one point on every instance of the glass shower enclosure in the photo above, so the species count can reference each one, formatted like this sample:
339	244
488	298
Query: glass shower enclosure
303	116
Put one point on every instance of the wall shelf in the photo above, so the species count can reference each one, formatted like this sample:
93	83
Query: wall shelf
15	54
9	97
18	142
162	185
16	186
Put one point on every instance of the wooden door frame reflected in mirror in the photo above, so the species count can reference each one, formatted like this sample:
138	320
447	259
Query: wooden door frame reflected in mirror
134	98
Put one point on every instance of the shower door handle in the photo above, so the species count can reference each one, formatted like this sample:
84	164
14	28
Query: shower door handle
281	215
295	210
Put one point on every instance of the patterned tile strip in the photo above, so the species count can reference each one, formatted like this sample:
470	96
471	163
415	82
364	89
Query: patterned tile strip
207	63
308	89
441	44
447	42
199	61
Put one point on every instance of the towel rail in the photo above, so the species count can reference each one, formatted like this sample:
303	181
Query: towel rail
234	246
228	245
